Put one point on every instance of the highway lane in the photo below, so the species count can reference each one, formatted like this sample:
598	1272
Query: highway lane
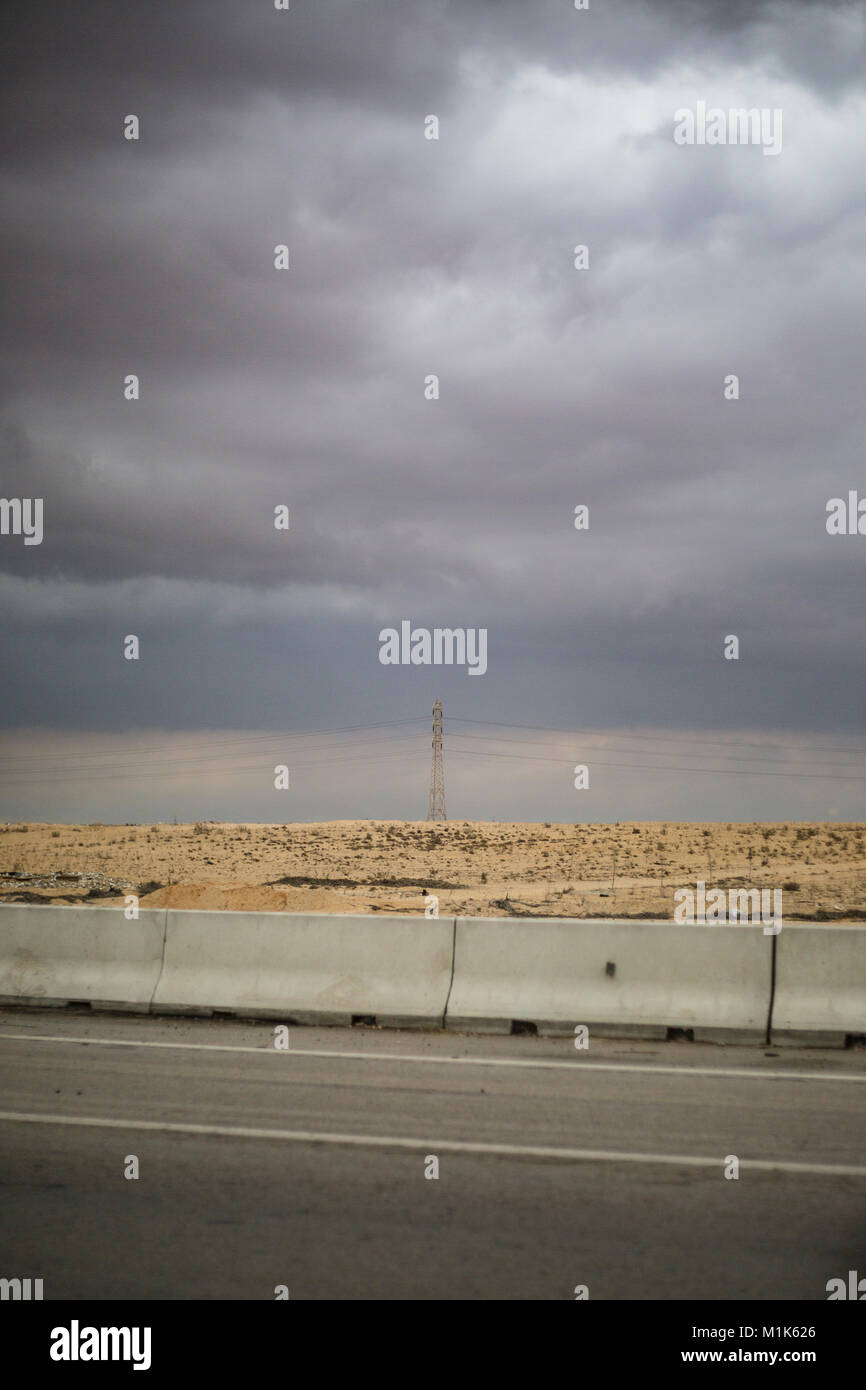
645	1212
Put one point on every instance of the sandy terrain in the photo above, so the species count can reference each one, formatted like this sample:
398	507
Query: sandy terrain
475	868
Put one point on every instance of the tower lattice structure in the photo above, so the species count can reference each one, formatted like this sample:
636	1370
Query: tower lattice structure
436	804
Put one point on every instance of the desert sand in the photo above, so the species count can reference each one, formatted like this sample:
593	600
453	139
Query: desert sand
480	869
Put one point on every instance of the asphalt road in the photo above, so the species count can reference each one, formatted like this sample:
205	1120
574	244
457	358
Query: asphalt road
604	1168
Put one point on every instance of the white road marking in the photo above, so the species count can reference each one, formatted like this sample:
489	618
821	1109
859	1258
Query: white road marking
765	1073
459	1146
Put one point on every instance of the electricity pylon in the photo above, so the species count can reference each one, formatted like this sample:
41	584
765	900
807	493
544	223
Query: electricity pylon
436	804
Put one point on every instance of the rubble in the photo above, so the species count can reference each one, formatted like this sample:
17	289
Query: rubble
20	887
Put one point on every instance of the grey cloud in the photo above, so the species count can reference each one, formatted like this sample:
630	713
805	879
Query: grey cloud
411	257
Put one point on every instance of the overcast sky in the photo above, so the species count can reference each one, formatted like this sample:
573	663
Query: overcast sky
557	387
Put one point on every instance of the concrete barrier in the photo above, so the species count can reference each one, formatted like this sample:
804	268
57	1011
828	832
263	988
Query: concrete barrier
309	969
60	955
820	995
621	979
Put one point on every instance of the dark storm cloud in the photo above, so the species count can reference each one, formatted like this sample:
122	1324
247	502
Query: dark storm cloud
73	68
411	257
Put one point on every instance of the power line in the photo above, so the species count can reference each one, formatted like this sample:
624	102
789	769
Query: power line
652	767
205	770
658	738
123	765
201	759
529	743
129	749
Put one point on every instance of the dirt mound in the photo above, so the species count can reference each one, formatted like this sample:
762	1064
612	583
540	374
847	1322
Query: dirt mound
245	898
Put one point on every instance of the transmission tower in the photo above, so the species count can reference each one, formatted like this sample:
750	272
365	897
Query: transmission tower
436	804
